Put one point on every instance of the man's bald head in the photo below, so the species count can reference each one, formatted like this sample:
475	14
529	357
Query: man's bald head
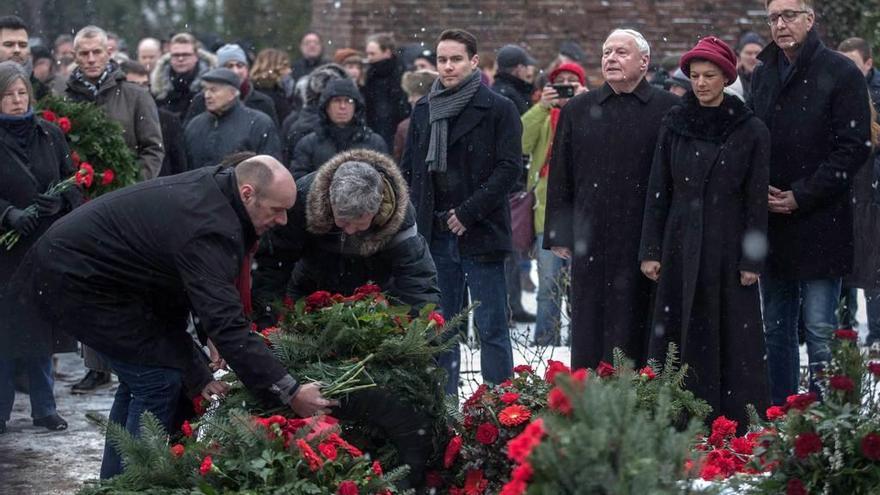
267	191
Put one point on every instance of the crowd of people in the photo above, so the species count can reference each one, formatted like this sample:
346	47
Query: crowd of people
723	200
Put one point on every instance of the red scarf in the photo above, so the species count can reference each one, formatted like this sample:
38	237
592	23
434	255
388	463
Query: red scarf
243	281
554	119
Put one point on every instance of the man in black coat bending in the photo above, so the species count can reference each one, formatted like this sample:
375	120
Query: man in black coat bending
122	273
815	103
599	171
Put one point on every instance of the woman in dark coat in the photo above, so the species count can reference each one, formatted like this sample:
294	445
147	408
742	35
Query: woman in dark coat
704	236
33	156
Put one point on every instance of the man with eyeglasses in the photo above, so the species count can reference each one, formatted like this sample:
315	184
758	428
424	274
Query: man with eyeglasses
815	103
177	77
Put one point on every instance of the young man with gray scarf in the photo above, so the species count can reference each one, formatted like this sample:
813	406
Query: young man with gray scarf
461	159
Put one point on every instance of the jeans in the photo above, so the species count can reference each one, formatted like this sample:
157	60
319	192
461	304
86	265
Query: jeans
848	308
872	304
549	323
485	280
41	381
141	388
782	300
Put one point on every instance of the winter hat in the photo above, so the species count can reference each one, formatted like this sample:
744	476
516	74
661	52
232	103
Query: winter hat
340	87
572	50
319	78
510	56
222	75
678	78
570	67
712	50
750	38
348	55
229	53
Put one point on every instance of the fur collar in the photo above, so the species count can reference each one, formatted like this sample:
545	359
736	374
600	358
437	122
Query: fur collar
708	124
319	216
160	79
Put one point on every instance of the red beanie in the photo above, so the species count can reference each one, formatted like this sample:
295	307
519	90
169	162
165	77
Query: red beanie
712	50
570	67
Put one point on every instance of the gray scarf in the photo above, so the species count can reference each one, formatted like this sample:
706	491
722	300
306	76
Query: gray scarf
444	104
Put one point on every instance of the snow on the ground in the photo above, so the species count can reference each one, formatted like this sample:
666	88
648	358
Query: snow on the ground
35	461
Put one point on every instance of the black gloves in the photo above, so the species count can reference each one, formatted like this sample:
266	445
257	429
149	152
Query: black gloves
48	204
21	221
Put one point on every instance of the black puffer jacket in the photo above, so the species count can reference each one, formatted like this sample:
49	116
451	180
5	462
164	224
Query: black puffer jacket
310	253
329	139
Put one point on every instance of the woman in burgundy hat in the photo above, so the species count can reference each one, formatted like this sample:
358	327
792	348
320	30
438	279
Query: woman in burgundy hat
704	235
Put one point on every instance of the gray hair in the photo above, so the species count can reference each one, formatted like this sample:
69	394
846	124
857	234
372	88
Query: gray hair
9	73
356	190
641	42
90	32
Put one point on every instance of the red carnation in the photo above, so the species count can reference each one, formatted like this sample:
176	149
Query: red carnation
647	372
452	450
177	450
580	375
207	466
724	427
309	455
553	369
559	402
874	368
437	318
319	299
49	116
198	405
487	433
800	401
64	124
514	487
842	383
377	468
523	368
509	397
474	483
775	412
523	472
328	450
368	289
477	395
107	177
605	370
187	429
339	442
519	448
514	415
795	487
347	487
871	446
806	444
74	157
710	471
846	334
85	175
742	445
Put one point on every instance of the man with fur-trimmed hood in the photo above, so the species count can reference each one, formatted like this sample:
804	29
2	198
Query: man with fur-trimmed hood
177	77
352	223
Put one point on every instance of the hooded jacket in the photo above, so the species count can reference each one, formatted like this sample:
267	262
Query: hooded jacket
329	139
163	89
310	253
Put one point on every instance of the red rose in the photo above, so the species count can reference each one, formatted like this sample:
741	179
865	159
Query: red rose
806	444
107	177
605	370
319	299
775	412
580	375
187	429
553	369
477	395
846	334
509	397
177	450
347	487
795	487
523	368
514	415
49	116
558	401
85	175
452	450
206	466
647	372
437	318
368	289
874	368
328	450
64	124
724	427
800	401
487	433
377	468
871	446
842	383
198	405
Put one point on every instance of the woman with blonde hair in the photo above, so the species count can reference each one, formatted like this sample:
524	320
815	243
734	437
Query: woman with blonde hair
270	74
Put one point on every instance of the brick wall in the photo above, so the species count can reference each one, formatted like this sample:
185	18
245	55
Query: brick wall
671	26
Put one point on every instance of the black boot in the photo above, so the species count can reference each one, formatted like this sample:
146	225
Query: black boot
91	382
53	422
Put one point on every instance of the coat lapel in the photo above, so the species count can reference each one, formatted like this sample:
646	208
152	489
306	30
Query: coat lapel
472	115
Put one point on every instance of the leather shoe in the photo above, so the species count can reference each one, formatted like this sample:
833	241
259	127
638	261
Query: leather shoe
522	316
53	422
91	382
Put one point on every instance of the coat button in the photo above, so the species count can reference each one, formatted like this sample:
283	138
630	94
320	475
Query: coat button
778	107
470	147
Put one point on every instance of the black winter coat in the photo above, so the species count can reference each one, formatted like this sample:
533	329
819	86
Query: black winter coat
122	273
297	126
514	88
254	100
210	138
174	161
484	160
602	155
25	173
705	218
283	105
386	101
310	253
819	120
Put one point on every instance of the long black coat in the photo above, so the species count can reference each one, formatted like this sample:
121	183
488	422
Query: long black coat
310	253
705	221
819	120
386	101
174	161
25	173
599	172
122	272
484	160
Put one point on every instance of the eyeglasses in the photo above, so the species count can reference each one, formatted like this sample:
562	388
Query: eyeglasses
182	56
787	16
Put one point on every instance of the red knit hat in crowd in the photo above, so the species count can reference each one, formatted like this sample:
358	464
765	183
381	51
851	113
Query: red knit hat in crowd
573	68
712	50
